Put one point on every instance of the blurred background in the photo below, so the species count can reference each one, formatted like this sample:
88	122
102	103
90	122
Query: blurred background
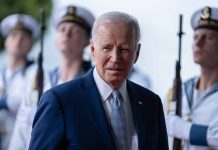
159	22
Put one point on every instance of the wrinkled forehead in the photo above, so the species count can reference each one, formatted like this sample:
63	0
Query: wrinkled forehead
114	34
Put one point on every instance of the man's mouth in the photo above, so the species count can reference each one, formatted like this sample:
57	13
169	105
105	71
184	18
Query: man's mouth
115	69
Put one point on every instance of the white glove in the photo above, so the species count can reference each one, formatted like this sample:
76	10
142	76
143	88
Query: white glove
177	127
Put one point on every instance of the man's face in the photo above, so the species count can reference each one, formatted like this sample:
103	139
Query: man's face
114	50
205	47
18	43
71	39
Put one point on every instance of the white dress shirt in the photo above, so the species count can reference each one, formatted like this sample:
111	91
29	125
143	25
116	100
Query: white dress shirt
105	92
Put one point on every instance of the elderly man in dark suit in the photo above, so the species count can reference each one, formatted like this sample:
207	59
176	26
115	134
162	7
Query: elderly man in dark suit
103	110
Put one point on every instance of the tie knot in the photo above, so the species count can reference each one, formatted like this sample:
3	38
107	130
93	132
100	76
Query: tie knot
116	94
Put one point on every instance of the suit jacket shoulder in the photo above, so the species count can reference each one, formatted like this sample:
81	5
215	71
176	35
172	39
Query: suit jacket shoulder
143	94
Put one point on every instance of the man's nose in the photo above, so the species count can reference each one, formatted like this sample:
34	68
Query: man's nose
19	38
67	33
115	55
199	41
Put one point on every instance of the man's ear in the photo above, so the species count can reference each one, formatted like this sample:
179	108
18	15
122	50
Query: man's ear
137	52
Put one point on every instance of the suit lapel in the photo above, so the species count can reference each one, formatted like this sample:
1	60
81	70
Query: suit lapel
137	111
96	110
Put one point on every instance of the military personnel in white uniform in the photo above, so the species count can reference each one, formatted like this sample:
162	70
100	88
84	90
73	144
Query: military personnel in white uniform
73	25
19	31
198	126
139	78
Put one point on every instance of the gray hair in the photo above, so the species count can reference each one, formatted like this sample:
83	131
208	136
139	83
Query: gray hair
117	17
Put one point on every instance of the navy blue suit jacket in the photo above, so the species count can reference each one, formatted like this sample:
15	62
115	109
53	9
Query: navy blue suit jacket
71	116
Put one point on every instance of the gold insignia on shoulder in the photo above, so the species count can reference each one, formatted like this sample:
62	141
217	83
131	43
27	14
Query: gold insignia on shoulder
206	13
71	10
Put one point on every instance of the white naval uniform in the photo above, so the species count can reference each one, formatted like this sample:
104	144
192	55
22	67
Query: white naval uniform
139	78
23	126
201	108
12	87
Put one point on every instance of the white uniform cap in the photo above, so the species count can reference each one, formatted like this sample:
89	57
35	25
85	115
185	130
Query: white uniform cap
75	14
19	22
206	17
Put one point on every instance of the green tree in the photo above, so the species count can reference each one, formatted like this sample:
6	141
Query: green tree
31	7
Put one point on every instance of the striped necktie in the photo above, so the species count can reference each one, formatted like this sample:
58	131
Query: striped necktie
118	121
